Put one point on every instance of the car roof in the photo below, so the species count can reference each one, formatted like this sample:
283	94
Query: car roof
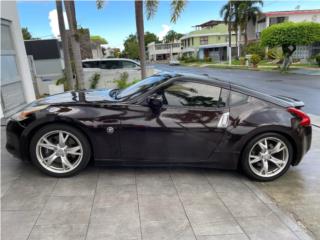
109	59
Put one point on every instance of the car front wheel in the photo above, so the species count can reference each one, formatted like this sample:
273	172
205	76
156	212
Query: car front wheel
59	150
267	157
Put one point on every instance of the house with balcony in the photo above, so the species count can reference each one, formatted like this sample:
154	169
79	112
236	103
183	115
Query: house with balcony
209	40
270	18
163	51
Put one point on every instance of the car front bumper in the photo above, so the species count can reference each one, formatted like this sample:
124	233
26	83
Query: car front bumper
14	132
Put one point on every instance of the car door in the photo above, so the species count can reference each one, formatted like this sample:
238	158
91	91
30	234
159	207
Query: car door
187	128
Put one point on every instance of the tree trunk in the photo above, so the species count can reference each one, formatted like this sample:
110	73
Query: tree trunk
65	46
237	41
140	34
287	56
75	45
246	32
230	36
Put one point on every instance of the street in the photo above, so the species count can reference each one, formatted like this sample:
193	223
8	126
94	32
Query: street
302	87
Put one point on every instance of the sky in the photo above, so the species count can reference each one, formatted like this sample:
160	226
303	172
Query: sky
116	20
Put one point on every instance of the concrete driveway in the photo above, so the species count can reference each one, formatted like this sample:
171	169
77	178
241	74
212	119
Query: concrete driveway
303	87
153	203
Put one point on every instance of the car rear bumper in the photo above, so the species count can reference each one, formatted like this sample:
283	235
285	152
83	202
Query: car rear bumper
303	143
13	132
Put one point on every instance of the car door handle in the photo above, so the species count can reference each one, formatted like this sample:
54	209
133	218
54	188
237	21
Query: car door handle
224	120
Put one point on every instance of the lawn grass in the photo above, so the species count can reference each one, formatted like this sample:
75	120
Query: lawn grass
264	65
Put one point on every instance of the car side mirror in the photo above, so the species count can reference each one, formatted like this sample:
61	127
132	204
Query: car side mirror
155	102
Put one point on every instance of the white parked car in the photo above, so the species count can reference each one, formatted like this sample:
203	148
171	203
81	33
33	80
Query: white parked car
174	62
110	70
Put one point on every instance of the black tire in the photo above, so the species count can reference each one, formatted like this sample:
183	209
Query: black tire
75	132
245	157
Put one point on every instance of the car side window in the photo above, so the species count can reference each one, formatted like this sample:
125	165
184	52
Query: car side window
110	65
90	64
192	94
237	98
128	64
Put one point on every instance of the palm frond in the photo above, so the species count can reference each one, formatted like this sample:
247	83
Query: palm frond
177	6
151	7
100	4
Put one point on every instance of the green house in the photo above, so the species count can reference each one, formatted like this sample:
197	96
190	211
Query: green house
209	40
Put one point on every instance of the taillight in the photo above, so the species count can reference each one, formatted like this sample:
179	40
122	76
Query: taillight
304	118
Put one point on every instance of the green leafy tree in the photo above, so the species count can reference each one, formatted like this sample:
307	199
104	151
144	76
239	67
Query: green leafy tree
172	36
131	47
288	36
98	39
26	34
149	38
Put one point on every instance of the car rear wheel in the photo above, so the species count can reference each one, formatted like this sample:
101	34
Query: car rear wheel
267	157
59	150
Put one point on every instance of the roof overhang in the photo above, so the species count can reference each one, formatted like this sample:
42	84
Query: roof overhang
295	12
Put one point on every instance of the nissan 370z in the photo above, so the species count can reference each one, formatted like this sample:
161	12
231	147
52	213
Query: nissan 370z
165	120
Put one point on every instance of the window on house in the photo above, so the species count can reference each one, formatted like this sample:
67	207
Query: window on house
276	20
204	40
219	38
192	41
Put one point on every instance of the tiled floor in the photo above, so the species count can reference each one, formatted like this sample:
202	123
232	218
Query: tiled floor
141	203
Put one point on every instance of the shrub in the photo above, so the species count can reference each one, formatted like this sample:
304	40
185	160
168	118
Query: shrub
255	59
255	48
242	60
190	59
123	81
94	80
207	59
318	59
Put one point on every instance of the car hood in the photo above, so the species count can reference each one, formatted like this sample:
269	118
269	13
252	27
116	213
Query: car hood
77	96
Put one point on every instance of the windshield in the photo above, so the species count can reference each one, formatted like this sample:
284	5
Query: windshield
141	86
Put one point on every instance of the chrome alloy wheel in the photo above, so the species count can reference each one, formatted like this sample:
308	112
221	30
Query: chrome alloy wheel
59	151
268	157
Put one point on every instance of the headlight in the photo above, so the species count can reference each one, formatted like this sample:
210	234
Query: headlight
27	112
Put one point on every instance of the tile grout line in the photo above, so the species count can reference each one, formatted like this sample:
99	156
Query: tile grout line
234	218
185	212
44	205
137	194
249	186
94	196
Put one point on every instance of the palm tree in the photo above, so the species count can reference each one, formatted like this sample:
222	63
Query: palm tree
177	6
227	13
75	44
138	5
248	11
65	46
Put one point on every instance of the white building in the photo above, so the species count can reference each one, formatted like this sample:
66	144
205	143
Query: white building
270	18
16	82
163	51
